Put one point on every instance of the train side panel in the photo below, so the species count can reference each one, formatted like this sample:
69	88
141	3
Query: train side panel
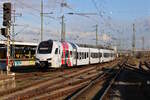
82	56
112	55
106	55
94	56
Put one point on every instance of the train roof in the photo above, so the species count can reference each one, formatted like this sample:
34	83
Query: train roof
94	46
75	45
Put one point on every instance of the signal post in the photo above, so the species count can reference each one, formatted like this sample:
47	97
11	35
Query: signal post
8	49
6	31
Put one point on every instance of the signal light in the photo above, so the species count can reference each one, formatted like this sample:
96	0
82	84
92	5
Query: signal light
6	14
4	32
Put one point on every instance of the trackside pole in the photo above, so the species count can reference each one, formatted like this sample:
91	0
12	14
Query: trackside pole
8	50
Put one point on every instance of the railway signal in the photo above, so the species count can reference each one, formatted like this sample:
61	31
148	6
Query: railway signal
6	14
4	32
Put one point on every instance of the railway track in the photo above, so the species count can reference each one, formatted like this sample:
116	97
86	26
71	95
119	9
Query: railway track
132	83
111	81
142	67
103	92
54	85
33	81
98	87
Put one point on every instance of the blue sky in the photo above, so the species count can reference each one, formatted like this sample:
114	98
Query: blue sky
115	19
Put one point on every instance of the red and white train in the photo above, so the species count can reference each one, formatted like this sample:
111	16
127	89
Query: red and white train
57	54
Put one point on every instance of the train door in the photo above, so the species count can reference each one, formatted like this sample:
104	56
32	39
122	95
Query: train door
74	54
57	56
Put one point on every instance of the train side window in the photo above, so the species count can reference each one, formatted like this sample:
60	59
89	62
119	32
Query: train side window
87	54
80	55
77	57
71	53
96	55
106	55
67	54
83	55
56	51
93	55
100	55
59	50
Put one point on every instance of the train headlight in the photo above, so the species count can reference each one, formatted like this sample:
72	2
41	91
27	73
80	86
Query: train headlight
49	59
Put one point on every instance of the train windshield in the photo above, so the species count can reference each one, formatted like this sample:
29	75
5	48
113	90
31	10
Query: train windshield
45	47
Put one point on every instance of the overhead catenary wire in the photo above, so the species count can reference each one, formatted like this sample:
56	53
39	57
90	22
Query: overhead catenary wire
28	6
102	16
35	10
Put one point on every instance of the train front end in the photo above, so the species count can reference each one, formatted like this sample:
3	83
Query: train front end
44	54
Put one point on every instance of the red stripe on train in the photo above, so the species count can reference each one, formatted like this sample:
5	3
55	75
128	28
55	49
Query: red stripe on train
65	48
68	60
63	55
